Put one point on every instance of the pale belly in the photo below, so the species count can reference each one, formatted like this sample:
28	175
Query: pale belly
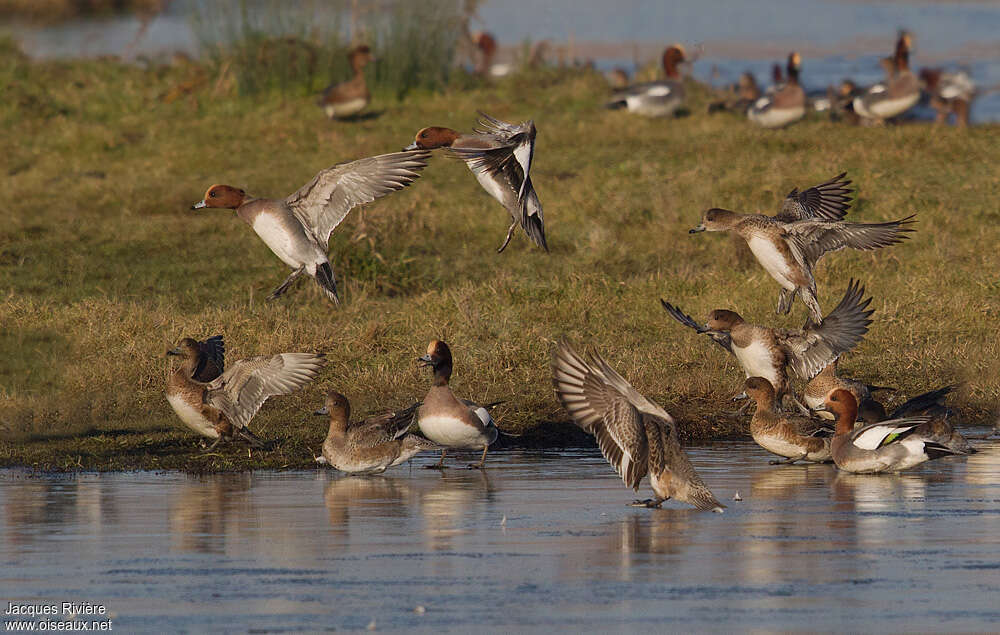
774	445
495	188
192	417
888	108
756	361
773	261
294	249
776	117
451	432
346	108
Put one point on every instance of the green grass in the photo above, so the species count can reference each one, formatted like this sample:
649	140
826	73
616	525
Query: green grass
103	266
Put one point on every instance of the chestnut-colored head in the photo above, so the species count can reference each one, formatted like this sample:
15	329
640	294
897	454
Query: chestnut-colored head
438	357
723	320
903	46
760	390
360	56
485	42
187	349
717	220
434	137
335	405
222	196
844	407
672	56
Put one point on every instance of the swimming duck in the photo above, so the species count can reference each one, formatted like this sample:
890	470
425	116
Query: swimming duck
635	435
789	244
895	96
223	407
347	99
372	445
499	154
930	404
656	99
888	446
767	352
786	105
827	380
448	421
796	438
297	228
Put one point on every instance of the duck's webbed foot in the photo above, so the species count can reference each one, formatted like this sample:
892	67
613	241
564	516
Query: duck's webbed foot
440	464
287	283
790	460
651	503
510	234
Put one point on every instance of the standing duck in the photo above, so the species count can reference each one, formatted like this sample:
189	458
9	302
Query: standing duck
899	93
888	446
347	99
791	243
369	446
950	94
635	435
448	421
223	407
768	352
297	228
796	438
786	105
500	155
656	99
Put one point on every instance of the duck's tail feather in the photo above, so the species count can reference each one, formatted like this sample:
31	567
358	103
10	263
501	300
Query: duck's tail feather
327	282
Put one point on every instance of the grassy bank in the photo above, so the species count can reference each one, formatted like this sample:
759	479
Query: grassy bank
103	266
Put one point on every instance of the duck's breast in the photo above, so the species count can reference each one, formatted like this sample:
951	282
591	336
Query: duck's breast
192	416
774	260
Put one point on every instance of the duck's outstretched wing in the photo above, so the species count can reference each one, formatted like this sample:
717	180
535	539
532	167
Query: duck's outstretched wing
815	238
242	390
725	340
829	200
323	202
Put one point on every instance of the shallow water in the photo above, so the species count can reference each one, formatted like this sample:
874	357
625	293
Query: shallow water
541	540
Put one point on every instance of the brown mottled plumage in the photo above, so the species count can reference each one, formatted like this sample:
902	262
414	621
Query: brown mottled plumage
796	438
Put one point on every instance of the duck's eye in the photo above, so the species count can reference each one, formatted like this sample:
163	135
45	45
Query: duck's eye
213	194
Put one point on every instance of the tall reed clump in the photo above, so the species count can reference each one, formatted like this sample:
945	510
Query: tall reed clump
299	48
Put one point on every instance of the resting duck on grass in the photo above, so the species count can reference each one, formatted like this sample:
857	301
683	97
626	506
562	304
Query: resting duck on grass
499	154
635	435
656	99
785	105
347	99
223	407
899	93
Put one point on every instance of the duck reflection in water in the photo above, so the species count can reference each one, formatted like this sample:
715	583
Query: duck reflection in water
451	504
382	497
203	511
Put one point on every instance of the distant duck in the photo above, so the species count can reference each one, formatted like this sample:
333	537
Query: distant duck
656	99
790	244
786	105
297	228
485	66
349	98
899	93
448	421
950	94
500	155
222	407
887	446
636	436
372	445
744	95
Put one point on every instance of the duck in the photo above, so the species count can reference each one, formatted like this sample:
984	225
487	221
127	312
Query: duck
899	93
887	446
931	404
786	105
635	435
741	96
372	445
221	408
486	44
297	228
796	438
768	352
827	380
448	421
950	94
500	155
656	99
790	244
347	99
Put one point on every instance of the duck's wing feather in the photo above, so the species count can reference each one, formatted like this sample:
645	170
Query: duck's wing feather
725	340
211	359
602	410
379	429
829	200
923	402
811	348
323	202
242	390
875	435
815	238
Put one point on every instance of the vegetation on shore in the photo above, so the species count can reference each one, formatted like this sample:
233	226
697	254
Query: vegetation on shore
103	266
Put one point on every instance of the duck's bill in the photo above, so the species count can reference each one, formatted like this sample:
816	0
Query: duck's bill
174	351
695	230
199	205
322	411
412	146
425	360
821	408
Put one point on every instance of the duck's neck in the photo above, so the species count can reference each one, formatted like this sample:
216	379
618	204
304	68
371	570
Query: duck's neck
670	69
765	403
442	375
338	426
845	422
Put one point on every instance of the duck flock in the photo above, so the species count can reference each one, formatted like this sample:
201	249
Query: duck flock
837	419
